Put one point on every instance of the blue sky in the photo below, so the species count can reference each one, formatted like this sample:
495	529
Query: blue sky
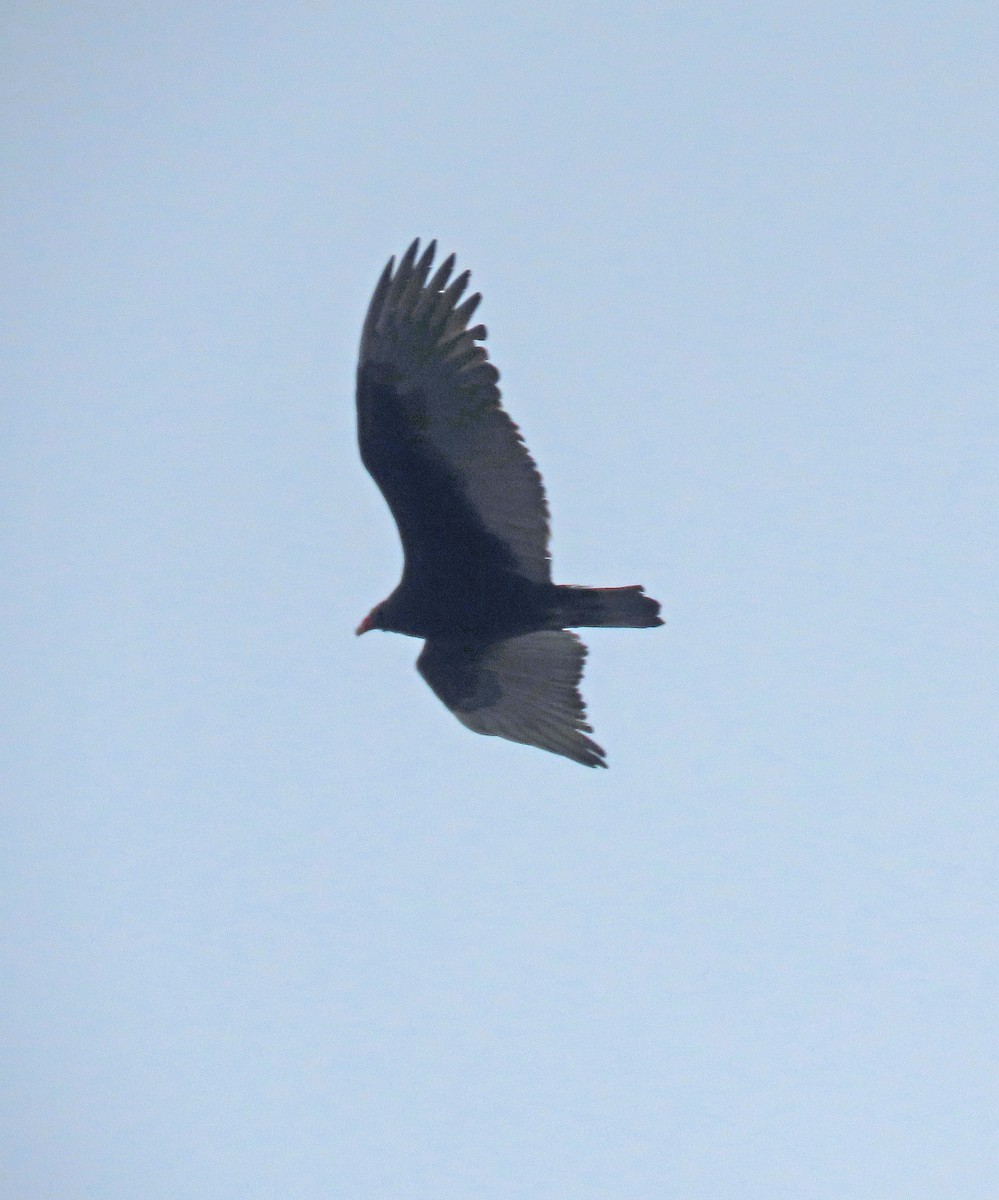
274	923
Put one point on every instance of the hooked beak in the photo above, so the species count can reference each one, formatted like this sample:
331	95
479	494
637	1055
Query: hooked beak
365	626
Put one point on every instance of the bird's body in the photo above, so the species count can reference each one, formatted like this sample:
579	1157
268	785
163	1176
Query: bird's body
471	511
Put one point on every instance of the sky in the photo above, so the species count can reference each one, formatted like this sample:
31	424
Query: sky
273	922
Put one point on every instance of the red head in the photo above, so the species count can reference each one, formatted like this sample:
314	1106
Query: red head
371	621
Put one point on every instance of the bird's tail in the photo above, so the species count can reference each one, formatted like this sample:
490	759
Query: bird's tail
624	607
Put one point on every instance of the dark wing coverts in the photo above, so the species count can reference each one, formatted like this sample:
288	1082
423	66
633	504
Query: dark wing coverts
432	432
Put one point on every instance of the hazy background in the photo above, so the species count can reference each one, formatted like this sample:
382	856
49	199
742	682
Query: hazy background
275	924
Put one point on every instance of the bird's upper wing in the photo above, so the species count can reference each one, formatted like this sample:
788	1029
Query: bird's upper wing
524	688
450	462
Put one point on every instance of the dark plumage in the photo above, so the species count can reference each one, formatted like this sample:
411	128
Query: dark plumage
471	511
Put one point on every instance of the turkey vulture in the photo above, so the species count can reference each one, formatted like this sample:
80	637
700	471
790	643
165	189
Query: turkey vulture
470	507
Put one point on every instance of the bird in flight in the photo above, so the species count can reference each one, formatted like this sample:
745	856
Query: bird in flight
471	512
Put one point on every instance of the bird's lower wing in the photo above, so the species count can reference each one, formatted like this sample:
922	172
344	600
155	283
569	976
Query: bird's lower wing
525	689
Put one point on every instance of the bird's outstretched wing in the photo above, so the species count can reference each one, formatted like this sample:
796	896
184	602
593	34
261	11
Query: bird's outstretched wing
524	688
450	462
